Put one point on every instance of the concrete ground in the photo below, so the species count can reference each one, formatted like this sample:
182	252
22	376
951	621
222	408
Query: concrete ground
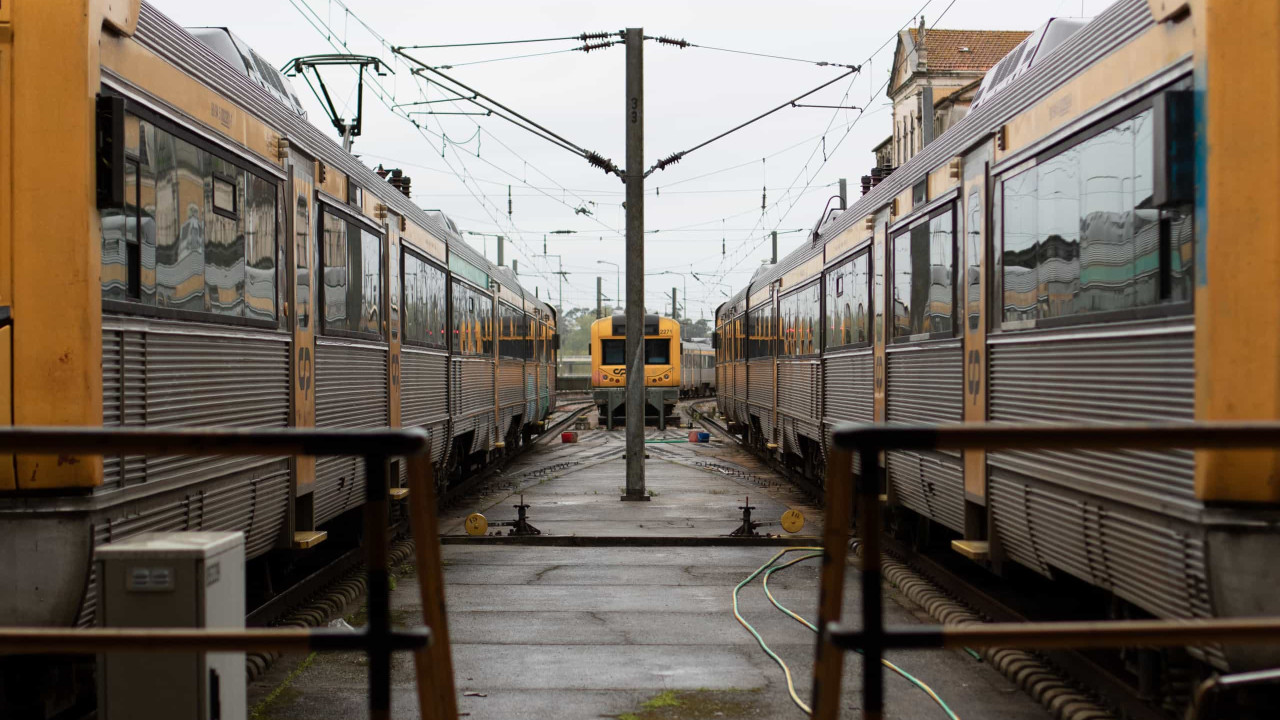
630	632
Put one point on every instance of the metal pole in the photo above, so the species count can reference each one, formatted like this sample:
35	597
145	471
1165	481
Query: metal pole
500	249
775	248
560	285
599	304
675	307
635	265
844	194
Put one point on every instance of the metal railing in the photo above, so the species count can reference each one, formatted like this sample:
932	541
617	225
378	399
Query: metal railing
873	638
430	644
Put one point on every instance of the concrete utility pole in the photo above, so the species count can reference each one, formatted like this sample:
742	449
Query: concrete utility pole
844	194
635	264
599	305
500	250
675	307
774	261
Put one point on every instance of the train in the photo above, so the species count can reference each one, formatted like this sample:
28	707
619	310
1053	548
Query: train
662	369
1068	252
186	249
697	368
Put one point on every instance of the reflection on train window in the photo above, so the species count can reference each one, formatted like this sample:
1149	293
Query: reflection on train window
848	303
176	245
513	332
657	351
472	321
923	278
1080	235
613	351
351	261
761	330
799	313
423	321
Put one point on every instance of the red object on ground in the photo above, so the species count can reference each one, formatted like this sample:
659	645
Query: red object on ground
693	436
568	437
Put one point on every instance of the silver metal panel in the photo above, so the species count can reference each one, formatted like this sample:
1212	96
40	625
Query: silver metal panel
848	387
424	378
760	383
351	392
800	389
510	382
1112	378
1153	563
472	386
926	383
932	484
178	374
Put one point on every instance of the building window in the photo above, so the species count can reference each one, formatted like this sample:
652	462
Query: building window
924	278
1080	236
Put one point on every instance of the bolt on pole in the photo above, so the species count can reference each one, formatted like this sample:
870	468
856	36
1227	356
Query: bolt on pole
635	265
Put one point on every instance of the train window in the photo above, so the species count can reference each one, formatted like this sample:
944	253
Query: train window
351	262
657	351
799	321
423	320
511	337
848	313
761	331
472	321
924	278
613	351
1080	235
197	232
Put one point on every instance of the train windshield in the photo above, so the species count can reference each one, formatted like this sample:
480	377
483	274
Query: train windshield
657	352
613	352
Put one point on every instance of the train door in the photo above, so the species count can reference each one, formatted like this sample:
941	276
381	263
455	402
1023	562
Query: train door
300	254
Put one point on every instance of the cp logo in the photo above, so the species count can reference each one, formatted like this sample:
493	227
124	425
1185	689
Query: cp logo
304	370
974	372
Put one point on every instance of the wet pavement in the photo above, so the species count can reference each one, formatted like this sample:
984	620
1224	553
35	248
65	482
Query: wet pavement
635	633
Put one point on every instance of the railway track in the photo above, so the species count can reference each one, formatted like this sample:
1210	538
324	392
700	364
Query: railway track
956	586
324	591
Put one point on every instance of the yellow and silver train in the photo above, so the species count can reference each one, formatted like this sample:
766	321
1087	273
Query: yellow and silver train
179	246
697	368
1095	242
609	368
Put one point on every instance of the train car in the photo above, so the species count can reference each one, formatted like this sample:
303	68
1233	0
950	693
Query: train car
186	249
697	368
1052	258
661	366
573	373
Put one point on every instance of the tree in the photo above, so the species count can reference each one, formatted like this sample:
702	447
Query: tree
575	330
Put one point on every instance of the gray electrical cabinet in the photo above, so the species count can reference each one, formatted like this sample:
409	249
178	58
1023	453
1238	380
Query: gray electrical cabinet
172	580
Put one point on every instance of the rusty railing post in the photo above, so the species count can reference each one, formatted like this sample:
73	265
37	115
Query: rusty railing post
434	664
829	661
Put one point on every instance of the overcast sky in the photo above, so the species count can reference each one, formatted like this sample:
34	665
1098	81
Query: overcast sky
691	94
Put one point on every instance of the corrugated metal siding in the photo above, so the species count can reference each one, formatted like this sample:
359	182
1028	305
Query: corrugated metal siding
424	378
189	375
800	390
848	387
531	392
472	389
1156	565
1121	377
351	392
760	383
256	505
932	484
926	383
510	382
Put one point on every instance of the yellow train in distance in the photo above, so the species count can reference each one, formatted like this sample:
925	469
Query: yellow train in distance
609	368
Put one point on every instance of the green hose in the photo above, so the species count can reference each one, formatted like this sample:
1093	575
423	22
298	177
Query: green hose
908	676
769	569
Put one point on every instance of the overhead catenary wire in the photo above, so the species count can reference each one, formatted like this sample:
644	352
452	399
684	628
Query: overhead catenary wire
677	157
584	37
686	44
586	48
